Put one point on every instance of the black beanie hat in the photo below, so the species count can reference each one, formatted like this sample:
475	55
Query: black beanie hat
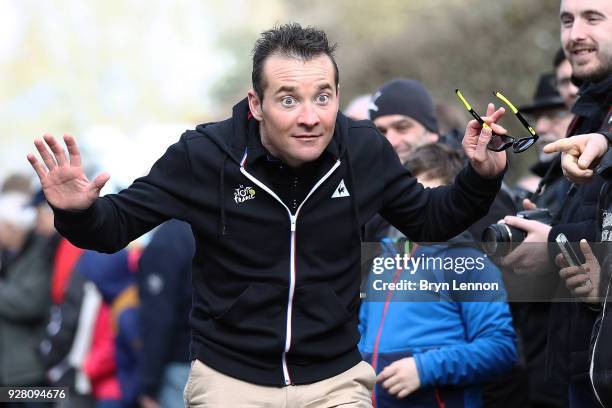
546	96
406	97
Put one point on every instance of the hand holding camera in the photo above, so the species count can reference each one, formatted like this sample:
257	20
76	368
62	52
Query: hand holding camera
529	230
521	241
502	238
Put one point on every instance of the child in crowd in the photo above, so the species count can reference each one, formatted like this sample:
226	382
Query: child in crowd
432	345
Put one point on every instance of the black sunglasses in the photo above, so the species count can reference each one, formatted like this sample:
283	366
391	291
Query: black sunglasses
498	142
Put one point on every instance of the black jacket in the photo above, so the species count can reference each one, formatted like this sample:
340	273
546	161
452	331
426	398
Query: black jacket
555	185
578	217
164	288
276	294
571	323
600	354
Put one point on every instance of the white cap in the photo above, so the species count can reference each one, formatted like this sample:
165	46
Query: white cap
14	209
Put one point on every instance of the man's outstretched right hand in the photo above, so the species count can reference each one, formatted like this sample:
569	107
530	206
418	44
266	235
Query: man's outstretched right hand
62	179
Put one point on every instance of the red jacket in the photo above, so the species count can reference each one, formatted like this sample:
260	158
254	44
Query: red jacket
99	364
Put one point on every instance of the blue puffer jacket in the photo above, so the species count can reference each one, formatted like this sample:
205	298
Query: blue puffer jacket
457	338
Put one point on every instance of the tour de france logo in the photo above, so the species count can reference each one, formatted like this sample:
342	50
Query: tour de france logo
242	194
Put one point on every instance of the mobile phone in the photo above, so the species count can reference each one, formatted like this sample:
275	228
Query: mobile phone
568	252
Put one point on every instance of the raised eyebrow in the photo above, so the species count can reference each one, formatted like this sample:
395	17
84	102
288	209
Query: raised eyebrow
285	88
324	87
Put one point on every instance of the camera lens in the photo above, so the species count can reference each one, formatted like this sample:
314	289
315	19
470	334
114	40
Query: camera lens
493	237
490	240
501	239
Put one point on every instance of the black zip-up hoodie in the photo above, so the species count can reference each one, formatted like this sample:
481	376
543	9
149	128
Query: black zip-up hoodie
276	294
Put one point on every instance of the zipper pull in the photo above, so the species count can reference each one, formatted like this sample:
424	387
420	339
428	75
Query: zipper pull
293	222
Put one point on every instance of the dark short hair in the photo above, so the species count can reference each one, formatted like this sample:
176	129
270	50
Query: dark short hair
290	40
436	160
559	58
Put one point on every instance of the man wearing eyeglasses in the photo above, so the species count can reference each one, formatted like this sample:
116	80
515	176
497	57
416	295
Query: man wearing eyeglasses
586	36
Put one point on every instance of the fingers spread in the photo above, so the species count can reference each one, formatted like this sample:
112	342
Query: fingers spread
45	155
99	182
73	150
38	167
57	150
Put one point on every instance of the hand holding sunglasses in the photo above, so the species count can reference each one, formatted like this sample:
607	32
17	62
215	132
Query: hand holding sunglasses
486	162
501	142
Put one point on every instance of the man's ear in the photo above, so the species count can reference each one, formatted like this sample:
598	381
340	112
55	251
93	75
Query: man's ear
255	104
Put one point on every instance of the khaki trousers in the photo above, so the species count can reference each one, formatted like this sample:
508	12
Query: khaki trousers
208	388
